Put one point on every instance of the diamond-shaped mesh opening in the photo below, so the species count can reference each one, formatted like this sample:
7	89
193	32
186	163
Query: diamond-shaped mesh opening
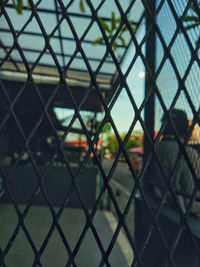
98	166
33	224
72	221
60	255
95	254
191	83
128	109
167	33
5	217
20	239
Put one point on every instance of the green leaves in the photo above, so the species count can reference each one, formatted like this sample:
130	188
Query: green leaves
28	5
98	41
192	21
106	128
193	9
191	18
105	25
113	21
122	41
110	27
82	5
18	5
191	26
112	145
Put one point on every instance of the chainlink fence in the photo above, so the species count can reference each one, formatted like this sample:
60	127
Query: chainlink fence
71	74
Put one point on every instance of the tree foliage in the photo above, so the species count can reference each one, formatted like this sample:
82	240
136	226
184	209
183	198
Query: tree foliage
18	5
193	21
112	144
112	24
109	25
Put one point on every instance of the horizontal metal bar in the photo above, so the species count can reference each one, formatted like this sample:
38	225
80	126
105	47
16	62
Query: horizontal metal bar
57	37
58	54
72	14
47	65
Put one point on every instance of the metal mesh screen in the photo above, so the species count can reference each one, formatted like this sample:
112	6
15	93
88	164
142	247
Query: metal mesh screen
124	66
186	62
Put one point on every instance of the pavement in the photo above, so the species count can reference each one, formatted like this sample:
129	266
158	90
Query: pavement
122	183
38	221
72	221
121	175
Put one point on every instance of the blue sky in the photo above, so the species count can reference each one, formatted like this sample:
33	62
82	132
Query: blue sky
181	56
122	111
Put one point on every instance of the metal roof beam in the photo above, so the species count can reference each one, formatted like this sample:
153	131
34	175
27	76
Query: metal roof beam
57	37
48	66
72	14
56	53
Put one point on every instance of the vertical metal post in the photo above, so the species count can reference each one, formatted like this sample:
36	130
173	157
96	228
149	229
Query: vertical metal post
142	220
149	113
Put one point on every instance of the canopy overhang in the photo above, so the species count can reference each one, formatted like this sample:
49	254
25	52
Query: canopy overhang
55	55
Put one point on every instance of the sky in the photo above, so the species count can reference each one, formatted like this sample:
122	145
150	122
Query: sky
167	81
180	59
122	112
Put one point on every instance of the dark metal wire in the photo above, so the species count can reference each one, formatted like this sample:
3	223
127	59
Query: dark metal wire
63	14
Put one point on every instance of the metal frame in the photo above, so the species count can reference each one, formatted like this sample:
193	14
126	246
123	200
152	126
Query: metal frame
59	84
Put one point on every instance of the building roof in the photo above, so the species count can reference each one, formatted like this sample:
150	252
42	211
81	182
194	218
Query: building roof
56	42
